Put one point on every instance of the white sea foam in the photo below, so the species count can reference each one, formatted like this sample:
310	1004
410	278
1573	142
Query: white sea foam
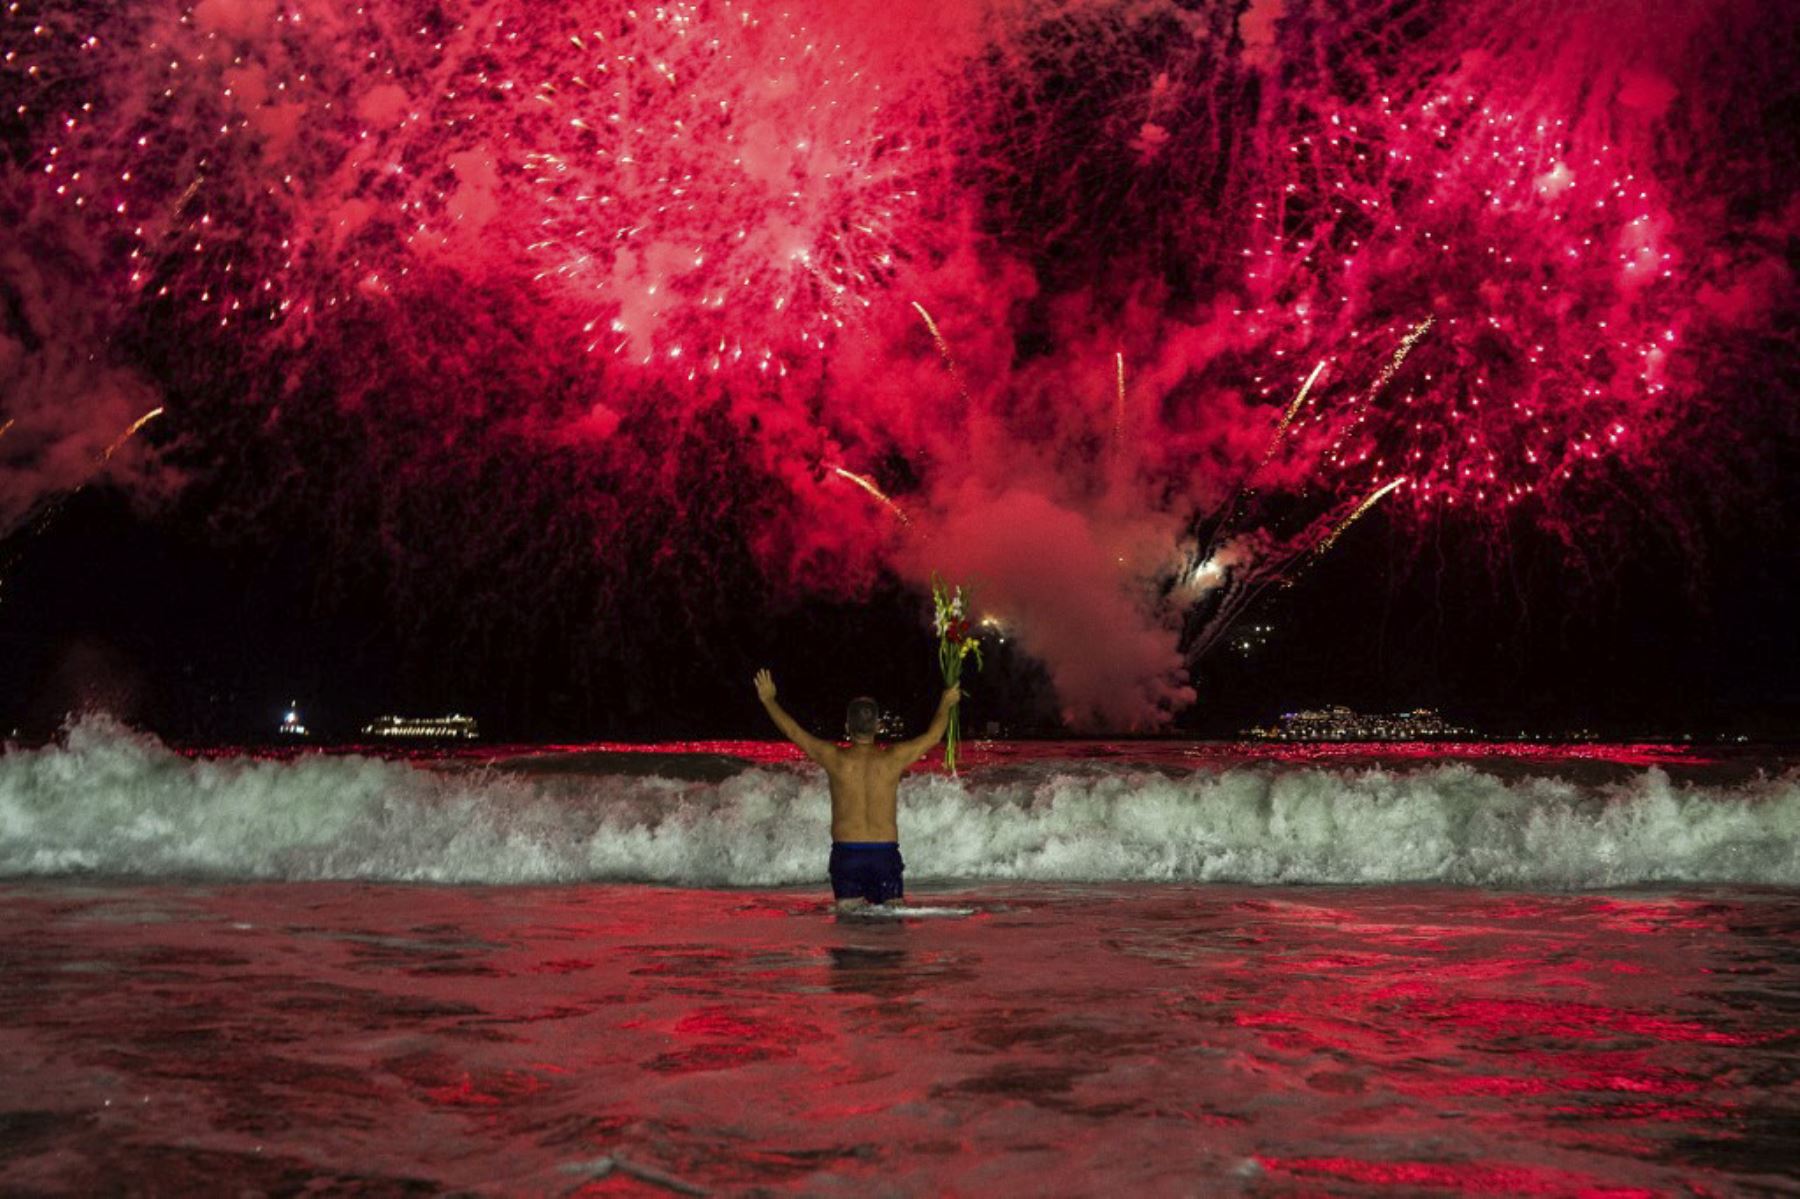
109	801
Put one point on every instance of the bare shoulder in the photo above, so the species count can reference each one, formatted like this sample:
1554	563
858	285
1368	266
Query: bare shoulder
895	757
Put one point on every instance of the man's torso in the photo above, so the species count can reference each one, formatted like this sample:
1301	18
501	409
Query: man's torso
865	782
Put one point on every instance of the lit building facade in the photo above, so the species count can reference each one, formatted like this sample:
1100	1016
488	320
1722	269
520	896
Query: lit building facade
1339	723
435	728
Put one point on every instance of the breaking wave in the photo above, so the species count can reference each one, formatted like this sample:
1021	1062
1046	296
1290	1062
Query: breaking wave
113	802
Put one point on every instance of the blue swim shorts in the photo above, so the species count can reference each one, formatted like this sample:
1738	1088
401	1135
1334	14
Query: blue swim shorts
868	870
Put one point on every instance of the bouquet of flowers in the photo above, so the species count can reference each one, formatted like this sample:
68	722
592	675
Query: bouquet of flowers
956	641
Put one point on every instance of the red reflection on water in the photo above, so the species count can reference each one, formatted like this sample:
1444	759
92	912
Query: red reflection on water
1439	1006
489	1090
1346	1039
1467	1177
1550	1018
714	1022
1513	1085
561	966
1655	915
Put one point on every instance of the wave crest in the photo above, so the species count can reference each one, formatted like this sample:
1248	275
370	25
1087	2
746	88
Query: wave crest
110	801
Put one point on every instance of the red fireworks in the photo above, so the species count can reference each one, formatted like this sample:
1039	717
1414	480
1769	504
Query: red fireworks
691	185
1544	268
678	206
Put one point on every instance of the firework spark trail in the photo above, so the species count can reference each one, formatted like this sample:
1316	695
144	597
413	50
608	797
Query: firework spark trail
1330	539
34	522
129	433
868	485
1233	510
1287	417
1406	344
5	427
1278	566
1240	592
943	348
1119	405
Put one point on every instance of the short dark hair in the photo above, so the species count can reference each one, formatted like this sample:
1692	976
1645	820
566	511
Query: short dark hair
863	718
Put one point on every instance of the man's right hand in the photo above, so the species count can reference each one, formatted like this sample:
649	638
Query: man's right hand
765	686
951	697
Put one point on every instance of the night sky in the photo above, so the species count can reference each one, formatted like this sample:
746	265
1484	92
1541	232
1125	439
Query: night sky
546	366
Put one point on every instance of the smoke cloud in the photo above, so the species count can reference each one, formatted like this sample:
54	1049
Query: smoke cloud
1078	591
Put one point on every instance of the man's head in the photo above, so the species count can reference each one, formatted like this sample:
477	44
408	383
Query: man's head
862	719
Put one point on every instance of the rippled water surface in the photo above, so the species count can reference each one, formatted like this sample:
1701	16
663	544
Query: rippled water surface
1132	1039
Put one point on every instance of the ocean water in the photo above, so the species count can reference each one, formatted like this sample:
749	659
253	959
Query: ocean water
1191	970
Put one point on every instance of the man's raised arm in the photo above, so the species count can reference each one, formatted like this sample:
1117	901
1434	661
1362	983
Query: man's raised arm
810	745
911	751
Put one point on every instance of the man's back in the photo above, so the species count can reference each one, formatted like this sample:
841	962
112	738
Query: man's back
865	784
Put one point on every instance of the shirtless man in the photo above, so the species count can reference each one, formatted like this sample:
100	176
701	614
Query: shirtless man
865	780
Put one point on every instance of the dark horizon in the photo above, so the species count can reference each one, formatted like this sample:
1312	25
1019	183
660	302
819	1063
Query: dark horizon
135	614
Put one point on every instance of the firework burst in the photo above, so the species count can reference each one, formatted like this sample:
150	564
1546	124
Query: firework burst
1431	258
1548	270
692	185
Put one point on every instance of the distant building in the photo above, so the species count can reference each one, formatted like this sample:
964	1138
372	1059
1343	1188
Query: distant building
291	725
435	728
1338	723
